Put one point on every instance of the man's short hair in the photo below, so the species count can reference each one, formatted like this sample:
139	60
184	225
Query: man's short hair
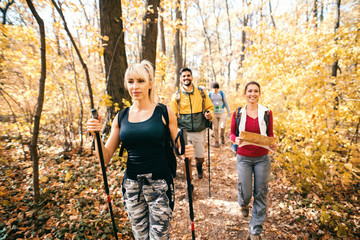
185	69
214	85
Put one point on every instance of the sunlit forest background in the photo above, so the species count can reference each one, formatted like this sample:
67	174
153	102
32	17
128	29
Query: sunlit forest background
304	53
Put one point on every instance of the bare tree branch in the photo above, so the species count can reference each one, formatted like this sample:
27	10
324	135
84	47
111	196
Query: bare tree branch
83	64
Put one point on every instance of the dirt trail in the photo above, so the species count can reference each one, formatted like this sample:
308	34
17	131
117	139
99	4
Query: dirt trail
218	216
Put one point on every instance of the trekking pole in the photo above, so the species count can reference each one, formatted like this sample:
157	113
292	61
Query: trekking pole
189	189
103	169
209	157
182	134
208	124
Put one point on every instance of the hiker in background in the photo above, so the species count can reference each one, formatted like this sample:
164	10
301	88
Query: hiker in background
192	106
148	189
219	100
252	159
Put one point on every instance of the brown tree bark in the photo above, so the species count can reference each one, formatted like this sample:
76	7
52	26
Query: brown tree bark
114	55
99	61
185	34
315	13
244	21
162	32
177	47
230	54
307	10
321	11
243	41
335	65
56	33
271	15
39	106
149	34
4	10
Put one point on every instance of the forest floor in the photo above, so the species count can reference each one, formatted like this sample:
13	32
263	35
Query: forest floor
73	206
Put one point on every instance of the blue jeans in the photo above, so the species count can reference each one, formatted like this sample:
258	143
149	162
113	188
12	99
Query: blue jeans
260	167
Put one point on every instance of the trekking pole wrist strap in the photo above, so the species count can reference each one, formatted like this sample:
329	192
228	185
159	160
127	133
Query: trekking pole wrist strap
180	137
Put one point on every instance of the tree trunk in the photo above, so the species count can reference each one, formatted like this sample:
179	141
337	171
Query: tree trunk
84	12
177	47
242	52
322	11
39	106
185	35
261	10
271	15
56	33
230	42
149	34
307	11
5	9
162	32
96	23
335	65
114	55
315	13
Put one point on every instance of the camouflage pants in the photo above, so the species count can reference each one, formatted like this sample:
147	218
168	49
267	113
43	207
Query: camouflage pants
147	205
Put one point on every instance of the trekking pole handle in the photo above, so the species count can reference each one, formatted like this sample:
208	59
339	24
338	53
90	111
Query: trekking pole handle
179	140
94	113
185	135
208	122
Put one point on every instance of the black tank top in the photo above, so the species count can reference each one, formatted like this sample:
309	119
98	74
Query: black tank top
144	142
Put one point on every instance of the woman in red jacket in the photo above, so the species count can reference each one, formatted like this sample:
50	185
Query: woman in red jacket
253	159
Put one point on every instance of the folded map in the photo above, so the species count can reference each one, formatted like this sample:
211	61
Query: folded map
250	138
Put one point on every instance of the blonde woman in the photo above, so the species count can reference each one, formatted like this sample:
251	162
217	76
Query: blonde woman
148	188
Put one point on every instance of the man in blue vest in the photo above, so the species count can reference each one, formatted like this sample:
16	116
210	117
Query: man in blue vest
218	98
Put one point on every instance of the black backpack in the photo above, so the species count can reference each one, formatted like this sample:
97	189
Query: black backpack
169	145
237	120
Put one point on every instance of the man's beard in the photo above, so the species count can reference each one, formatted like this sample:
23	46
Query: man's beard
187	83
